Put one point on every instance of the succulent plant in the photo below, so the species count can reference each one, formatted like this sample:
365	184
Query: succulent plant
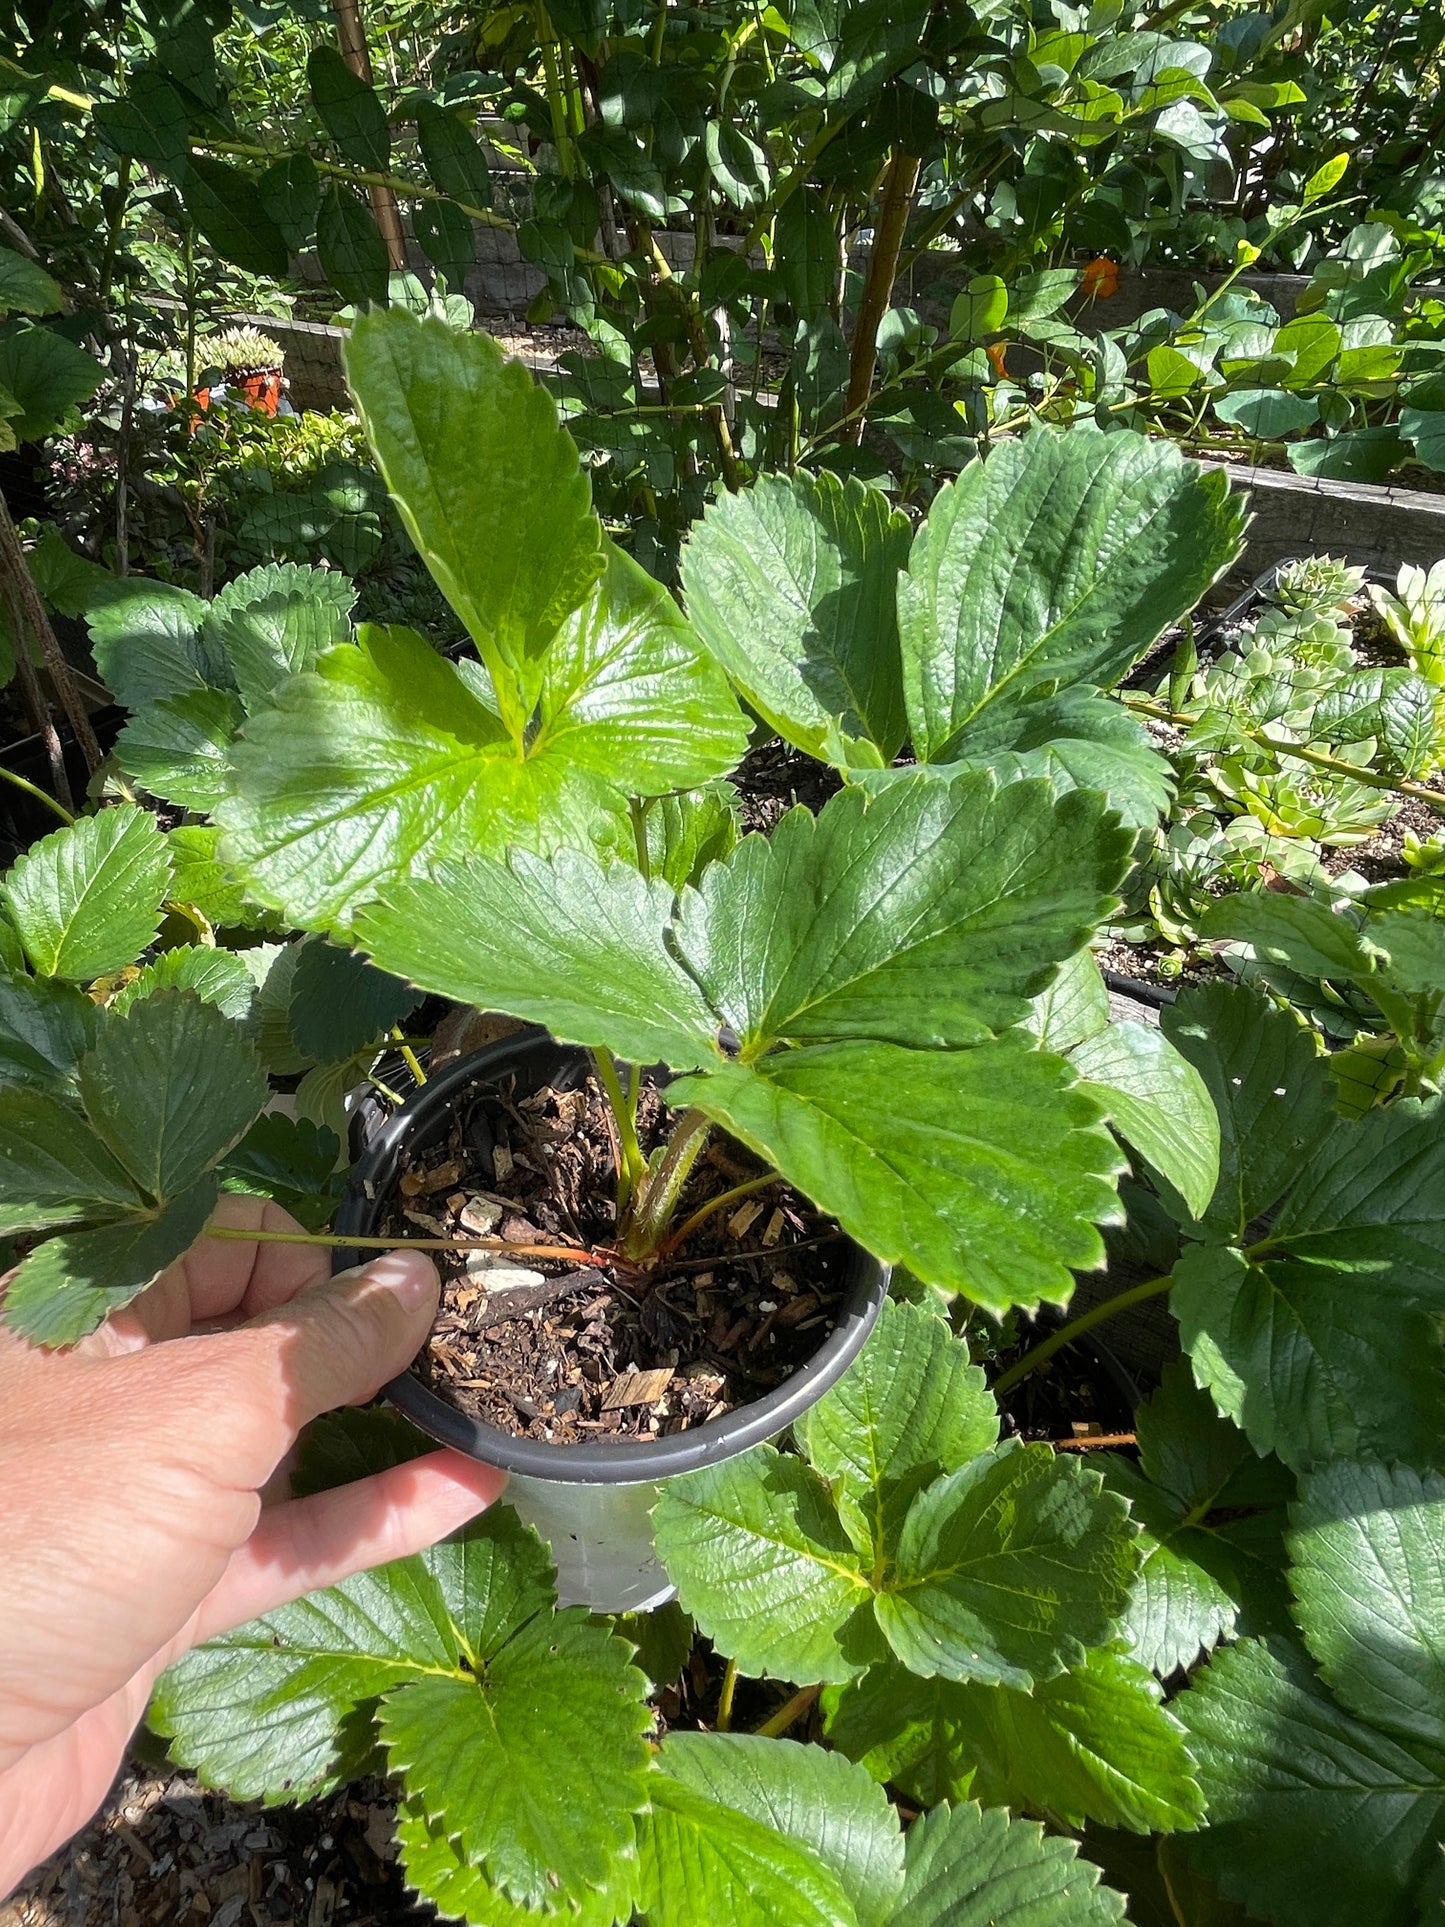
243	351
1317	585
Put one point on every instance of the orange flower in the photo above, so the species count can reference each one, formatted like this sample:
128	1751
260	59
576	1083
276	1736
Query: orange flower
996	352
1101	278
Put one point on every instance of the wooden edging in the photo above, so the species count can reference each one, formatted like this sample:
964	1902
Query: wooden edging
1373	525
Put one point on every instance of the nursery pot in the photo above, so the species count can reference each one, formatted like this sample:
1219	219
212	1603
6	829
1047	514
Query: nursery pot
591	1502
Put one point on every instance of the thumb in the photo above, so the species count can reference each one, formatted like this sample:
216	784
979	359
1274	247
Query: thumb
335	1343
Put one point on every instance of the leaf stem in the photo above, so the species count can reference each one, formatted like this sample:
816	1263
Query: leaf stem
408	1055
725	1698
1336	765
43	796
657	1199
789	1713
1076	1327
349	1241
632	1165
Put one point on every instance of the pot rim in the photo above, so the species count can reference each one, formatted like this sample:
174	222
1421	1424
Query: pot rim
617	1463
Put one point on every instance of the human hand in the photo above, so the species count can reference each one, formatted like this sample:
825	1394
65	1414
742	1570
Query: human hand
136	1511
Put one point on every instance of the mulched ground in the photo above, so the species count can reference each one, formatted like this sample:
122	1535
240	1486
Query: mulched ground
165	1850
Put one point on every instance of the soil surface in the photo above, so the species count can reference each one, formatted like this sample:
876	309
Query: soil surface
773	776
547	1346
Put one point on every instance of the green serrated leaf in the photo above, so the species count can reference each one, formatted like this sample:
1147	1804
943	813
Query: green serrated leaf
927	914
1294	1782
201	879
707	1865
1158	1102
436	1868
291	1160
1416	946
1074	1006
1270	1089
1367	1545
911	1406
147	123
290	194
762	1563
43	375
1094	1744
563	942
87	899
824	1803
628	696
536	1766
1078	739
45	1030
180	750
25	287
170	1089
73	1282
983	1171
53	1169
273	622
686	833
1058	560
441	778
967	1867
146	640
1008	1569
792	586
488	484
340	1003
217	977
1284	1351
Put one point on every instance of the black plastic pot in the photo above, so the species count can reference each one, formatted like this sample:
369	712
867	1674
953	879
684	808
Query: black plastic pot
587	1499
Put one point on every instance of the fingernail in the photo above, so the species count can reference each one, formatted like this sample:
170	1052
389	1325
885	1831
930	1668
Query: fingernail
411	1280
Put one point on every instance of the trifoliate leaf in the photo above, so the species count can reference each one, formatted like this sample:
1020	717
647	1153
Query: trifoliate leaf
967	1867
88	899
1294	1782
927	914
911	1406
792	585
708	1865
180	749
1093	1744
45	1030
983	1171
273	622
535	1766
1158	1102
170	1089
72	1283
1270	1088
1367	1543
1313	1364
217	977
577	948
146	637
488	484
762	1563
435	1867
340	1002
821	1801
1057	560
1008	1569
53	1169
